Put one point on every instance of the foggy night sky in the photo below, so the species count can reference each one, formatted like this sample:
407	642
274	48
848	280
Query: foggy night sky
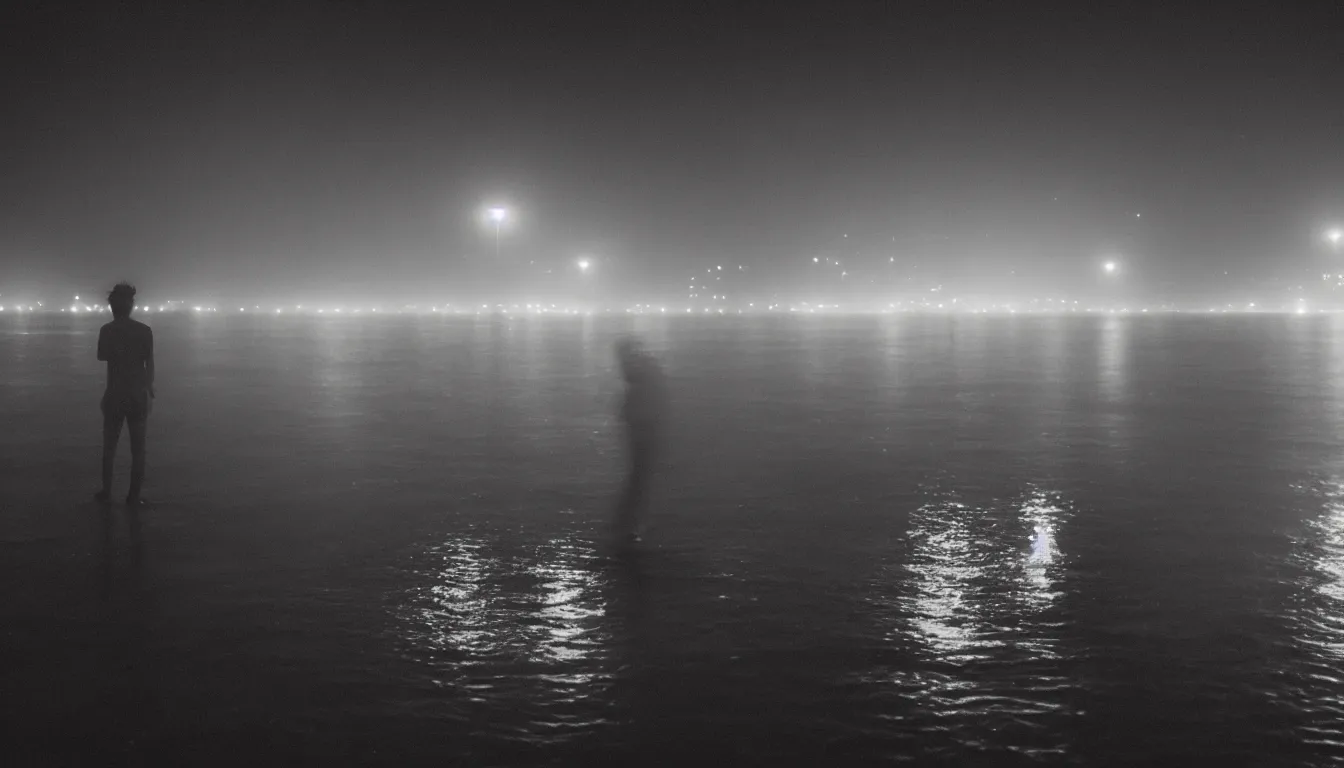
345	148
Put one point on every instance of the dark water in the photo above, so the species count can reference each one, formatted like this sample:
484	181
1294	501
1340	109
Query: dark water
963	540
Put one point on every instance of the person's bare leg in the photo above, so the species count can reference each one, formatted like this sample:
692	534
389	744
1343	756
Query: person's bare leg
137	430
111	436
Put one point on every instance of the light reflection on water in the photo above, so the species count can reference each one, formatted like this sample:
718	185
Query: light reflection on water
1319	617
981	582
457	616
945	566
971	580
1329	561
1041	515
1186	601
572	610
1113	369
524	632
1321	552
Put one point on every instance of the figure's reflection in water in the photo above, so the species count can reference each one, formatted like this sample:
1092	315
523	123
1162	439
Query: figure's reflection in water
633	692
109	551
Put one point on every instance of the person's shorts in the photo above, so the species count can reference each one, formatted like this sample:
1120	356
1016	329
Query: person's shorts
130	407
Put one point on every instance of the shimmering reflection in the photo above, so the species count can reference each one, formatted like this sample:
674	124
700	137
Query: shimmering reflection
1040	514
1113	362
971	581
945	565
525	636
980	586
1319	618
571	607
456	616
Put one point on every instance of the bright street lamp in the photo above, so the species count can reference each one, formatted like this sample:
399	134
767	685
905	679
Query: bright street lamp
1334	236
1110	267
584	265
497	215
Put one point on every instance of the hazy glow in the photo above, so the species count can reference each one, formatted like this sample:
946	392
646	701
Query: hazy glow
1110	267
1040	513
497	215
1334	236
584	264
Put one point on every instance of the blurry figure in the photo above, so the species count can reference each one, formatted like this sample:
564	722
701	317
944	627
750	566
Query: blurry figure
128	348
644	411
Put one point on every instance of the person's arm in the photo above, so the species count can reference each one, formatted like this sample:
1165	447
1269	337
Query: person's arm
149	360
102	343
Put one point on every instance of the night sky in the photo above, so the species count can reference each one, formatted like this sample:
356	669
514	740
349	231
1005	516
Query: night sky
346	149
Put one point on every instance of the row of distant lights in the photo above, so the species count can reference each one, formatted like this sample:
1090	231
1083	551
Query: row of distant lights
804	307
1033	307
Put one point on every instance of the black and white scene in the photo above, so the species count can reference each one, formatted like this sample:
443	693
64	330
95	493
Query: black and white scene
671	383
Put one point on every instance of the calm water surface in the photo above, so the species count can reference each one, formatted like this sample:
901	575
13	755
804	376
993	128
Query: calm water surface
1083	541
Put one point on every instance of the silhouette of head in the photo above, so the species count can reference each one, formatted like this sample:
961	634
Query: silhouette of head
122	300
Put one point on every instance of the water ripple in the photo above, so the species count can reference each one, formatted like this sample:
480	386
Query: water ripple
973	600
520	640
1318	619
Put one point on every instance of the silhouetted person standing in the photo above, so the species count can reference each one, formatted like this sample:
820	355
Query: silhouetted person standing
128	347
644	412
